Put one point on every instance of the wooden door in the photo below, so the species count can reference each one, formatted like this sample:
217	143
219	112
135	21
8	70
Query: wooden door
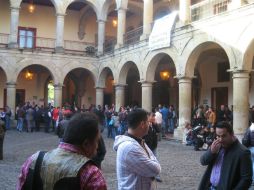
219	97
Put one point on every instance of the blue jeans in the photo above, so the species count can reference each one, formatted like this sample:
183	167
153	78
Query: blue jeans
252	158
7	121
20	124
171	125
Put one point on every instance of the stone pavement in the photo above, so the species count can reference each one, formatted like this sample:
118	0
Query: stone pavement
180	164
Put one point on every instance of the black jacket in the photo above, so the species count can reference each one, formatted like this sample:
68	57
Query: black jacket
151	138
236	171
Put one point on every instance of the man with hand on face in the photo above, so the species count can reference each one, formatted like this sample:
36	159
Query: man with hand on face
229	162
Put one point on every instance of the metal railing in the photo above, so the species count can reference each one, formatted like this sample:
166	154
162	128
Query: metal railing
77	46
48	44
4	39
133	36
209	8
109	46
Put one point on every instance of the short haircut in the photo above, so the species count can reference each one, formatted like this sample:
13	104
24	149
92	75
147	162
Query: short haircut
135	117
225	125
81	127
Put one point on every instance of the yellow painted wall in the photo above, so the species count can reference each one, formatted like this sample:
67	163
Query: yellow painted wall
4	16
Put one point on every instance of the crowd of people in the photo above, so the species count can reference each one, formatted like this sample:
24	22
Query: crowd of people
76	162
200	132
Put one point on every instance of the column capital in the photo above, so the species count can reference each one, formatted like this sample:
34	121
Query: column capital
58	86
147	83
184	79
60	14
99	88
120	85
15	8
101	21
240	73
11	84
121	9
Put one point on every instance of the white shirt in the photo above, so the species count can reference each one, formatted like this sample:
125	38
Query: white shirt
158	117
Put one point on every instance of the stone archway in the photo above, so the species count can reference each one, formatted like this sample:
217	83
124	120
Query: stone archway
3	80
106	81
129	76
78	88
212	85
31	81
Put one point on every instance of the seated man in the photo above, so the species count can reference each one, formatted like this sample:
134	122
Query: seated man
69	166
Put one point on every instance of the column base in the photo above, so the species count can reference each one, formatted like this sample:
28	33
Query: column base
117	46
59	50
144	37
179	134
239	137
12	45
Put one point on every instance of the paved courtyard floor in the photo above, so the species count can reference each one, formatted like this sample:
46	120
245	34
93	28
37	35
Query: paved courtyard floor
180	164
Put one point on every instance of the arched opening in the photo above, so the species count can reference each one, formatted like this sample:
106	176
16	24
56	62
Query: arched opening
78	89
133	88
109	94
165	89
31	84
213	83
3	80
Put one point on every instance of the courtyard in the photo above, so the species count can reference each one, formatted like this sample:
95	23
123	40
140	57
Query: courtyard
180	164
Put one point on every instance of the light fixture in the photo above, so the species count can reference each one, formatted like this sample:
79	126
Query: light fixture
114	22
164	75
31	7
29	75
112	82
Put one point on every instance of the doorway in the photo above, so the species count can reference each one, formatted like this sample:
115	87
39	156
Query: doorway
219	97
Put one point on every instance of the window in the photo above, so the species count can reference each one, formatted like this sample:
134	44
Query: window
221	7
223	75
26	37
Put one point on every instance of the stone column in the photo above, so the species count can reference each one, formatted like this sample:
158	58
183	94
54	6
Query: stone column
240	102
121	27
13	37
11	95
101	36
147	19
147	95
119	96
184	106
236	4
58	95
59	33
99	96
184	11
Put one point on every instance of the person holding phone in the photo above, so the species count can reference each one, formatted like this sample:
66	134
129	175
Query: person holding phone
229	162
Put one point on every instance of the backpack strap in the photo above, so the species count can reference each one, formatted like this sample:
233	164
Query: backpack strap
37	182
33	179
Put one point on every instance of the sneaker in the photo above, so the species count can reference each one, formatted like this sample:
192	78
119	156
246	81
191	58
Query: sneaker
158	179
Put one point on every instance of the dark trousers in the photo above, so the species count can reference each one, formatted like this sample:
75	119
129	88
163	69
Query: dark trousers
1	147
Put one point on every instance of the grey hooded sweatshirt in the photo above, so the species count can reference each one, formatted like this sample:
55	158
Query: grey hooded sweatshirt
136	170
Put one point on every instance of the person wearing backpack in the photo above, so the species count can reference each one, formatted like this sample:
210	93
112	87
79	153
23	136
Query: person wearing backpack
70	165
2	133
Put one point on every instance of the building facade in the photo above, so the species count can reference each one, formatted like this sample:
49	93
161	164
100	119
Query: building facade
99	52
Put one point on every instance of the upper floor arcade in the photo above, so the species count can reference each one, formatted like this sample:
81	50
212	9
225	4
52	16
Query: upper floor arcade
94	27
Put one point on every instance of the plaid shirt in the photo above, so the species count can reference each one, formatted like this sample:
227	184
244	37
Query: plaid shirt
91	177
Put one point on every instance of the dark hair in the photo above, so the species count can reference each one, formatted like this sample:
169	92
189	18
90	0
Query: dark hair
81	127
226	125
135	117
